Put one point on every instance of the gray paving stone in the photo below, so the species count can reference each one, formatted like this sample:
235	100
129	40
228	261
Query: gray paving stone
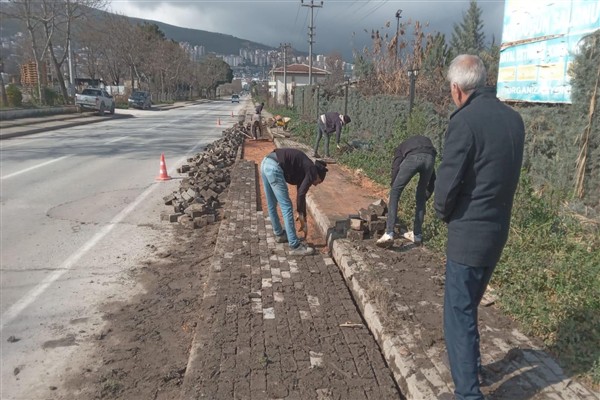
270	324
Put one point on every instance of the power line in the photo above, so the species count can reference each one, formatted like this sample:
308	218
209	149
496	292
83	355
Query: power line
311	33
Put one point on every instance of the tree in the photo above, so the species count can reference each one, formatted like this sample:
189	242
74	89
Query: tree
334	64
213	72
468	36
59	29
31	14
436	54
3	96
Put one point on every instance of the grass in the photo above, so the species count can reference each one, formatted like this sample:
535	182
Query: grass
549	276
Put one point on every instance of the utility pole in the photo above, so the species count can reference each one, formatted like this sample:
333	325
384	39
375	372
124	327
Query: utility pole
285	88
311	28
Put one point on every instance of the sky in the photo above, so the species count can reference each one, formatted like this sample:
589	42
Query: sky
340	25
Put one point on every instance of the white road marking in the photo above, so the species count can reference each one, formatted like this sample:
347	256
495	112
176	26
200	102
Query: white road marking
25	301
116	140
34	167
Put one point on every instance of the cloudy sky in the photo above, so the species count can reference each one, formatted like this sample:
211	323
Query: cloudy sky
339	24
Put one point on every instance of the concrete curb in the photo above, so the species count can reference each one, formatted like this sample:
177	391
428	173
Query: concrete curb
32	129
415	383
12	114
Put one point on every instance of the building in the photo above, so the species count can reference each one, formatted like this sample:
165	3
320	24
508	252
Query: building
293	76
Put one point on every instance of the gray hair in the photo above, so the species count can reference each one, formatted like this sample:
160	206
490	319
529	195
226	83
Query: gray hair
468	72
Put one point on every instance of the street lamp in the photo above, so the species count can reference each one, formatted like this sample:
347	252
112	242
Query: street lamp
397	32
412	75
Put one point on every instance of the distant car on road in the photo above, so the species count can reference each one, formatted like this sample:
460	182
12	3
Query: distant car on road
140	99
235	98
95	99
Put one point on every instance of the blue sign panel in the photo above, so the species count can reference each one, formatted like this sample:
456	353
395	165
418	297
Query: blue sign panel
539	40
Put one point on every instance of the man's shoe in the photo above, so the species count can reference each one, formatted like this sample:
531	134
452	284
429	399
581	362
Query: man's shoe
386	240
302	250
416	239
281	238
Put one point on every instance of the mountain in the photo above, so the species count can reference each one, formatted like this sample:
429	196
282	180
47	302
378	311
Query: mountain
213	42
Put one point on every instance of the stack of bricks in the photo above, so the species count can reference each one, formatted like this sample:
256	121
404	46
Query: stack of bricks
200	194
368	223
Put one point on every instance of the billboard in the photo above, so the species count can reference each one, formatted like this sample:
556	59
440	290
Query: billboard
539	40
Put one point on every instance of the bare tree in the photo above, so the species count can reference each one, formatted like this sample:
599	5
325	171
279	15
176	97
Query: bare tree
3	96
334	64
31	14
60	28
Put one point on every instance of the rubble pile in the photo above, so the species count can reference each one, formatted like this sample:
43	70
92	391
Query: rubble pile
367	224
202	191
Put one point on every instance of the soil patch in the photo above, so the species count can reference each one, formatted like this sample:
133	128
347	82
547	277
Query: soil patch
142	353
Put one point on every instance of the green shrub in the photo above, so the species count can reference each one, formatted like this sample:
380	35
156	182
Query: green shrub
51	97
549	279
14	95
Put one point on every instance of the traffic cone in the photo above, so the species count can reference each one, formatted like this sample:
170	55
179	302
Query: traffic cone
219	121
162	174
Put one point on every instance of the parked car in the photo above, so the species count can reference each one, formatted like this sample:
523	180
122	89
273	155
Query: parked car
235	98
140	99
95	99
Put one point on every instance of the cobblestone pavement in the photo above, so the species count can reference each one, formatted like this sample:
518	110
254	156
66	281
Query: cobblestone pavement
275	326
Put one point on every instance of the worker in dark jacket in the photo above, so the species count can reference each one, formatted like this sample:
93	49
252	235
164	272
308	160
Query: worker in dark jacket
259	108
292	166
474	192
415	155
327	124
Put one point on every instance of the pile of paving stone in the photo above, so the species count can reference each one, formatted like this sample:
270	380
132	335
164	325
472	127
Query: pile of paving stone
201	193
367	224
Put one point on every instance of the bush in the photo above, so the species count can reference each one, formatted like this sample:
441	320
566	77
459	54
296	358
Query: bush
51	97
14	95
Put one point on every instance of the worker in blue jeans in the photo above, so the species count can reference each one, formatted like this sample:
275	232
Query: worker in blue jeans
278	168
474	192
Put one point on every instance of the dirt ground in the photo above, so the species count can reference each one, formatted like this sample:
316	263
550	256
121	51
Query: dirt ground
143	351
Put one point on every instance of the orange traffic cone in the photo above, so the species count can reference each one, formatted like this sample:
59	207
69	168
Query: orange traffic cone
162	174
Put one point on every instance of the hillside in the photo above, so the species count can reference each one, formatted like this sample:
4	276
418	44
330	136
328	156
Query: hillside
212	42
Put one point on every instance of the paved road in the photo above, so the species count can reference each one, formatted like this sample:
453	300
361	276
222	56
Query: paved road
78	207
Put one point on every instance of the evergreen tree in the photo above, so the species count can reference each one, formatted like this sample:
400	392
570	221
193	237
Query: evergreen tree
436	53
468	36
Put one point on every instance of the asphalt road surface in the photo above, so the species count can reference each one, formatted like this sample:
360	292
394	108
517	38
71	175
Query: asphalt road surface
79	206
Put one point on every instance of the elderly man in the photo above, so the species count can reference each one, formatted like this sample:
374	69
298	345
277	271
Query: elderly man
474	191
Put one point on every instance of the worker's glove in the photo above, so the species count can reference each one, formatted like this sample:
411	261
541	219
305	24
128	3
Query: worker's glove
302	220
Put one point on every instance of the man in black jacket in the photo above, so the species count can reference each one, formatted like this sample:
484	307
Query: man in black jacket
292	166
474	191
327	124
415	155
